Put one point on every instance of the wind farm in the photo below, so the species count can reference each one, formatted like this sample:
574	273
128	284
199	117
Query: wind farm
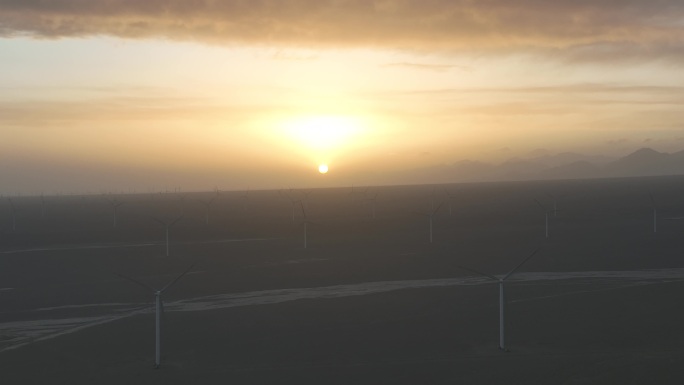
341	192
260	303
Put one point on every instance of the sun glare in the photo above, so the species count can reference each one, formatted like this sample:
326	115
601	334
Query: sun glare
323	169
323	132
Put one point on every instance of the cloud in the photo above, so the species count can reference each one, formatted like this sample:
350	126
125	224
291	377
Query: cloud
617	142
573	30
426	67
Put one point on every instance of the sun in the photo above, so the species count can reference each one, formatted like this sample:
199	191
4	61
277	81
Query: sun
323	168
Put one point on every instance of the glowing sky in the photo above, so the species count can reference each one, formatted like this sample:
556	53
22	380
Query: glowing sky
124	94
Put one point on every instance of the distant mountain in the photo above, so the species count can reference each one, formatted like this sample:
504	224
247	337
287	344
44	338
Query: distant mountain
567	165
566	158
647	162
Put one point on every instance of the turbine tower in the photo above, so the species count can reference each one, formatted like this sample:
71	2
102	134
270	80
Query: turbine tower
245	199
159	310
207	207
115	209
450	197
306	222
555	204
546	215
502	299
430	215
655	214
13	213
42	206
293	202
374	202
167	225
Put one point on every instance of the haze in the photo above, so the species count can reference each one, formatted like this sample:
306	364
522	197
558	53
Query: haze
125	95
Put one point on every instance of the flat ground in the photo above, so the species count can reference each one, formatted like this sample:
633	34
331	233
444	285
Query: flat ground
369	301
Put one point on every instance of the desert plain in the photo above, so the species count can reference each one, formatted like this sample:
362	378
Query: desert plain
369	300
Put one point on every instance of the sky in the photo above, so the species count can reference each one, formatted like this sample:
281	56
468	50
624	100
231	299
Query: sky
126	95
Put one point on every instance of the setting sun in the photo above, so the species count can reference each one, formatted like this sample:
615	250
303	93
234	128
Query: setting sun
323	169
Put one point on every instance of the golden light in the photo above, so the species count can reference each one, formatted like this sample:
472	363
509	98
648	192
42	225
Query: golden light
325	132
323	168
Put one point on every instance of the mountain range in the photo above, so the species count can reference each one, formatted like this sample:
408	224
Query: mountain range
643	162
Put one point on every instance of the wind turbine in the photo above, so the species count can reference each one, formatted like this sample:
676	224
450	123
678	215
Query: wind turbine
374	202
115	208
353	194
450	197
433	198
546	214
167	225
159	310
42	206
655	214
306	222
245	198
293	202
431	214
181	199
13	212
207	206
555	204
502	299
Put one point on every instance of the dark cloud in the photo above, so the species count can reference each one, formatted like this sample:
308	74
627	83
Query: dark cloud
574	30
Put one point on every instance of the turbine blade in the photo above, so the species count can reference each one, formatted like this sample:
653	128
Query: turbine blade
303	212
520	264
652	200
175	221
437	209
478	272
540	205
159	221
135	281
177	278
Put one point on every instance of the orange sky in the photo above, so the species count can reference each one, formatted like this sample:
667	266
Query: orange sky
124	95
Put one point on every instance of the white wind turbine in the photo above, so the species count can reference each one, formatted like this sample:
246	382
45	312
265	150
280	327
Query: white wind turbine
245	199
207	207
353	193
374	202
655	214
306	222
502	299
115	208
555	204
13	213
546	215
42	206
430	215
181	199
167	225
159	310
293	202
450	197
